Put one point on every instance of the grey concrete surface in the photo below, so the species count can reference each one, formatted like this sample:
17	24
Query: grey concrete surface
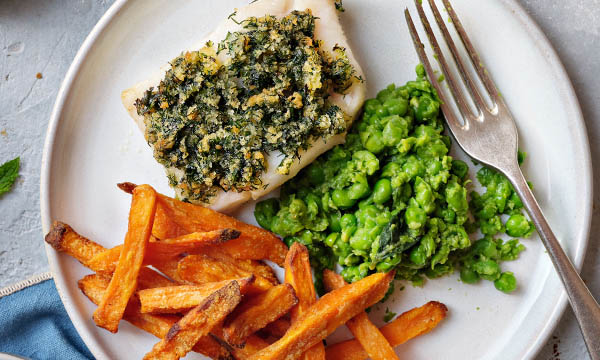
42	36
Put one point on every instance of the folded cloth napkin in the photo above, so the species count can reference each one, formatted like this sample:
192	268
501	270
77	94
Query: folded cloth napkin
34	323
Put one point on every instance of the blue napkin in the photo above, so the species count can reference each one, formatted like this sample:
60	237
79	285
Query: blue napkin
34	324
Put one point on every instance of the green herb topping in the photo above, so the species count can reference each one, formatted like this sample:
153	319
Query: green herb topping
212	124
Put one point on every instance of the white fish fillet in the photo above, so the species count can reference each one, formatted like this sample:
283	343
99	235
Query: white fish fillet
327	29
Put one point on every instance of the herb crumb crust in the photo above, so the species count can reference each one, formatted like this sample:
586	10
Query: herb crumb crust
212	124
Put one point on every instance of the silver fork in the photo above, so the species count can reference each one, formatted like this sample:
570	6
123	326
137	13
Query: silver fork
490	137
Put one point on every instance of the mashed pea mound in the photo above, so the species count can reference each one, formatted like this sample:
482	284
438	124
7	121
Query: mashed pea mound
392	198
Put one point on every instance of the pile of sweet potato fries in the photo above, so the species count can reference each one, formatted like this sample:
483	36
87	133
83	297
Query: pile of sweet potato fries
195	279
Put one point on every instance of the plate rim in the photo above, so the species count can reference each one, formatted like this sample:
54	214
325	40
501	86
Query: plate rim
542	43
557	65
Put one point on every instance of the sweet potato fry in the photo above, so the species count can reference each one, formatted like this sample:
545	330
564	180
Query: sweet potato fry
201	269
253	345
256	312
177	299
64	239
148	279
157	251
93	286
124	279
254	243
164	227
298	275
406	326
256	267
277	328
168	266
197	323
328	313
369	336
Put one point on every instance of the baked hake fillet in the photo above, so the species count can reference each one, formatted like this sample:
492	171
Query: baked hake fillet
273	87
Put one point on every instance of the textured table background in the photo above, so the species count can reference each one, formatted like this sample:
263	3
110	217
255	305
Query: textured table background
42	36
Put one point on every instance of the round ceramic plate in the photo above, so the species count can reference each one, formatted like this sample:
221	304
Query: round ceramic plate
92	144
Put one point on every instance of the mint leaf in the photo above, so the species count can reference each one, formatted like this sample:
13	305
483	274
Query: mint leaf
8	174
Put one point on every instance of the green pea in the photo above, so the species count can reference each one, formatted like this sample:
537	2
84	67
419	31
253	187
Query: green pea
382	191
363	270
371	106
352	260
265	211
391	169
424	195
388	264
515	201
355	273
517	225
487	269
331	239
448	215
468	276
488	211
456	196
306	237
326	202
341	199
417	256
348	232
298	208
366	161
350	274
413	167
285	225
313	203
506	283
381	111
334	222
374	142
460	168
491	226
420	70
361	240
415	217
486	248
342	250
347	221
425	107
366	213
358	190
315	174
486	175
395	130
396	106
386	93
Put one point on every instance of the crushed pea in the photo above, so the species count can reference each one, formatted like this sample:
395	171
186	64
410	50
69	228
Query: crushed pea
391	198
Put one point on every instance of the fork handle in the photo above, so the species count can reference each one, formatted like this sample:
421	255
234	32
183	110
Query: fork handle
585	307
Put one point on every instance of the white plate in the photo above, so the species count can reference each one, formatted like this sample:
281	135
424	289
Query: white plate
92	144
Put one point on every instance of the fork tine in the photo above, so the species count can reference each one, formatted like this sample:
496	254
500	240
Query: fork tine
453	122
454	90
457	59
473	55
